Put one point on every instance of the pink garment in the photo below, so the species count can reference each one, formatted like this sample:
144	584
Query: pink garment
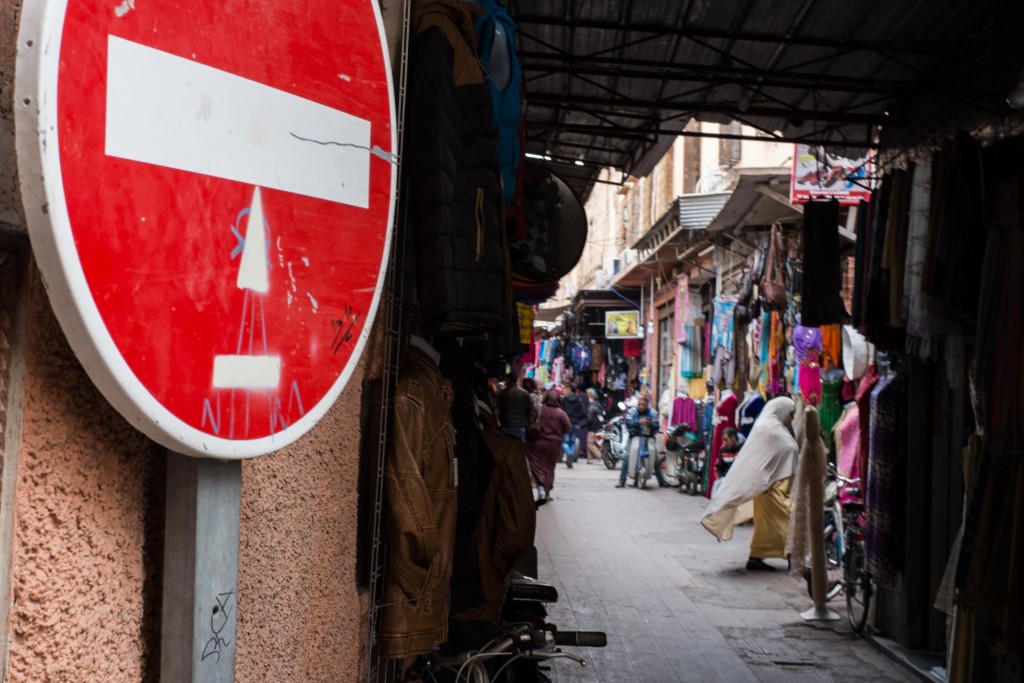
684	412
810	383
808	342
849	445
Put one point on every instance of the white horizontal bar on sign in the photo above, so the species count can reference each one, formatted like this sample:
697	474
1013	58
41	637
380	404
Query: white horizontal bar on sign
246	372
166	110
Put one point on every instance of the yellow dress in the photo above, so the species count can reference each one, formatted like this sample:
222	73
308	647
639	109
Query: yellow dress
771	520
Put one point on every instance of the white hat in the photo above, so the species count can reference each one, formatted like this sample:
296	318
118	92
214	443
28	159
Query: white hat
855	353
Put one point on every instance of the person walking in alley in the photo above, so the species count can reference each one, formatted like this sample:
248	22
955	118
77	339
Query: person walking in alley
595	419
544	447
575	404
762	472
514	407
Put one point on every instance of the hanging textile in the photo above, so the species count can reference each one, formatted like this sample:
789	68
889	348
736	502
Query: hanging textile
831	408
953	267
632	348
682	308
894	249
860	268
832	347
822	280
725	417
915	307
882	497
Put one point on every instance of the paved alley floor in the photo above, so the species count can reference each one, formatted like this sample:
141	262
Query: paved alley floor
676	604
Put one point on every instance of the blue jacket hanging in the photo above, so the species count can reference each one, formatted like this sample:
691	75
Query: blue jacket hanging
500	61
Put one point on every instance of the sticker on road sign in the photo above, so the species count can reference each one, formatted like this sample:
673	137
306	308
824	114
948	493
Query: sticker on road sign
209	190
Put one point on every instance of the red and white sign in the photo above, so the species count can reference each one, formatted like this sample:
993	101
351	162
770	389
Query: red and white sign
838	173
209	189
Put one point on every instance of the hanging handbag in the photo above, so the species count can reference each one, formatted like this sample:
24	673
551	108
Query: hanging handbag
772	292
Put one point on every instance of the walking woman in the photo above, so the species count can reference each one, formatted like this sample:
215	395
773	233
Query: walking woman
544	445
762	472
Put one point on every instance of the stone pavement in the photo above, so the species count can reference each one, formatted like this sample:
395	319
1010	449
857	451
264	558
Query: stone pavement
676	604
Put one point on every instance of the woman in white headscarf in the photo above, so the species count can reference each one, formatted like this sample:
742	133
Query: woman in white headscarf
762	472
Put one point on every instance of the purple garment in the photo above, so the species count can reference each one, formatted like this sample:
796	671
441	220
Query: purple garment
807	342
684	412
883	457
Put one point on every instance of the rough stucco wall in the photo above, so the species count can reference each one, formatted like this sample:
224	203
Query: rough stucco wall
87	549
300	617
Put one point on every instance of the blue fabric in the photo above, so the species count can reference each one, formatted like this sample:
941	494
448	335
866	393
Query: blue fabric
721	332
507	103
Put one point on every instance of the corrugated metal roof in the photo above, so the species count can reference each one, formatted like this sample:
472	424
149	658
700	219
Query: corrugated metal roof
612	83
696	211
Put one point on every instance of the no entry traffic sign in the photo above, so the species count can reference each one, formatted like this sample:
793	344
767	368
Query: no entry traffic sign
209	189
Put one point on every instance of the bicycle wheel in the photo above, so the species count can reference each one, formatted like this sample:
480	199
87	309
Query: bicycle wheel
833	560
857	585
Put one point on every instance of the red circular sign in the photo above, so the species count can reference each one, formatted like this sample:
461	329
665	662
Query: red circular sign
218	185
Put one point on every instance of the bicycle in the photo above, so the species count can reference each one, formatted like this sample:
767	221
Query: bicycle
493	662
857	581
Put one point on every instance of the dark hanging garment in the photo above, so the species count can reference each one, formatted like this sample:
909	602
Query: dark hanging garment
859	265
822	279
953	271
452	177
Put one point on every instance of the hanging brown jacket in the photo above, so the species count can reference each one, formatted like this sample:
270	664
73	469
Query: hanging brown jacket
420	487
507	522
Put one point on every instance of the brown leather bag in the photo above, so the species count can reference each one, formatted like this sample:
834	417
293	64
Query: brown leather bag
772	291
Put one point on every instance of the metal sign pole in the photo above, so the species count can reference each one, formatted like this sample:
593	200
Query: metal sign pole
200	569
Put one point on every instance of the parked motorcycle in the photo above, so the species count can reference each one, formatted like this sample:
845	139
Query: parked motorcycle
612	439
690	460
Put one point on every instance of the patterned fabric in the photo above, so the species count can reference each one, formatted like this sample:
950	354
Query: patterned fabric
682	308
883	457
748	413
722	333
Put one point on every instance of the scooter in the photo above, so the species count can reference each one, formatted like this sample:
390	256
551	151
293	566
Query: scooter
641	456
690	460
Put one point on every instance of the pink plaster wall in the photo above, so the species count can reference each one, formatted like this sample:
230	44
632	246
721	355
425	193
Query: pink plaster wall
88	538
87	547
300	617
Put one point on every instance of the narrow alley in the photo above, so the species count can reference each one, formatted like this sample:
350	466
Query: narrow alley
677	605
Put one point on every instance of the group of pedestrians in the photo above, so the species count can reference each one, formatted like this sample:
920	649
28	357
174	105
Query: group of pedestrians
546	421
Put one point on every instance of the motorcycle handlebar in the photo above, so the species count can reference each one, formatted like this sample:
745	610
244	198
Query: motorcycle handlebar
581	638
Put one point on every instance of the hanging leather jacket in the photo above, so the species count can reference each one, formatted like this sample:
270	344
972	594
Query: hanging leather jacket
420	487
507	523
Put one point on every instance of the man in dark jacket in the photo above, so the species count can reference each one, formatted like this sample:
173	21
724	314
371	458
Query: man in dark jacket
575	405
514	408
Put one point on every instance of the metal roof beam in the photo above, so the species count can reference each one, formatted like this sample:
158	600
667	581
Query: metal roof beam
669	73
571	63
648	134
706	33
563	100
